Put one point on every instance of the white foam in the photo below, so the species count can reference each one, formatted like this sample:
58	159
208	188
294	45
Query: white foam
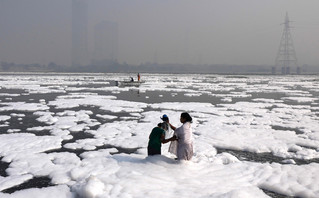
22	106
260	125
106	117
4	118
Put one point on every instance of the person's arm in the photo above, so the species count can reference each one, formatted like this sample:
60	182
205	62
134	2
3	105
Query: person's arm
174	128
163	140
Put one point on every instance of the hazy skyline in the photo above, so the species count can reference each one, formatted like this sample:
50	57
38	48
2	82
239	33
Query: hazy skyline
106	41
180	31
80	51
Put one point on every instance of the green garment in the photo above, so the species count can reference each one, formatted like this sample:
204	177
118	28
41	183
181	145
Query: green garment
155	138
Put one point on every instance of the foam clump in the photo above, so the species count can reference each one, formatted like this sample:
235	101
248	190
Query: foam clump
4	118
91	188
225	158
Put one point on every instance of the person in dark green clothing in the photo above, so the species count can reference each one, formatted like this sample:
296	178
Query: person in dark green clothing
156	138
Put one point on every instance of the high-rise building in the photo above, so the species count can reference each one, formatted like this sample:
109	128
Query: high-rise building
106	41
79	32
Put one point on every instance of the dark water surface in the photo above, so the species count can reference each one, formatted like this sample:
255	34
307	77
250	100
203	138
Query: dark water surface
37	182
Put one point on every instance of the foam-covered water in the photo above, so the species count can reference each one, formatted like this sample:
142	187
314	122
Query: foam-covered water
80	135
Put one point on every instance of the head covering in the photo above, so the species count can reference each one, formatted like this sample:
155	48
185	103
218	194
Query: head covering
164	117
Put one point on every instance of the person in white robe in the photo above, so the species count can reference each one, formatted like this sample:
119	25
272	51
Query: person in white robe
183	146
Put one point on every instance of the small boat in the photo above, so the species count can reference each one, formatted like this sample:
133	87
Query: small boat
129	83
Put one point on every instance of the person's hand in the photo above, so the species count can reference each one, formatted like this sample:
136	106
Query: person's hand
173	138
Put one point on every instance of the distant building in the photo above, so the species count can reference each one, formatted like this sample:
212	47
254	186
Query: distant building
79	32
106	42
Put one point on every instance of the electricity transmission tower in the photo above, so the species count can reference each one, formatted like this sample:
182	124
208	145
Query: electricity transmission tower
286	58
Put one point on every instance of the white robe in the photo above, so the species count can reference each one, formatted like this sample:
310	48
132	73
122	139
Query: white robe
183	147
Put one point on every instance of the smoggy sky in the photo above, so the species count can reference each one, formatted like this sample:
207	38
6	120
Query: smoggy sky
165	31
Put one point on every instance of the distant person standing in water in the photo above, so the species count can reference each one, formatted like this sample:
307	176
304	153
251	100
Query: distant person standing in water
138	77
184	135
156	138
